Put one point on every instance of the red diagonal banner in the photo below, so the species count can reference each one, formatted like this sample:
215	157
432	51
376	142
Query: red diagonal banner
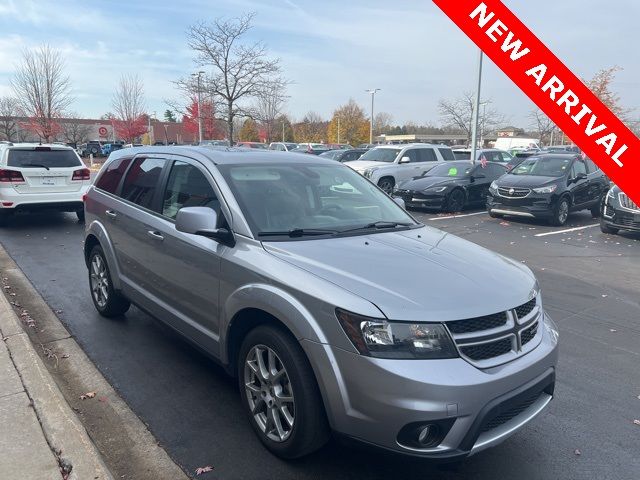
552	87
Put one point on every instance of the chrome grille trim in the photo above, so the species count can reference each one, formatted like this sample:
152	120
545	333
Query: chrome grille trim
517	192
626	203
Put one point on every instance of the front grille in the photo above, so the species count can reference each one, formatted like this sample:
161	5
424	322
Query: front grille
477	324
484	351
511	413
626	202
526	308
513	192
527	335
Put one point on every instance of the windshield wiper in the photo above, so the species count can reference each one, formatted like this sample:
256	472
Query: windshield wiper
34	165
378	225
297	232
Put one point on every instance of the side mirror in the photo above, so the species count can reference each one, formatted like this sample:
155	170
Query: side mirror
400	202
581	176
405	160
477	176
203	221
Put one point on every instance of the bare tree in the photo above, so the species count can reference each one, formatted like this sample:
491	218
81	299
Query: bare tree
312	128
43	90
128	104
73	130
270	101
239	71
542	125
458	113
382	123
8	120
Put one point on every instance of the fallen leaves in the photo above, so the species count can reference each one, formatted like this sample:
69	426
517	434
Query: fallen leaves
201	470
87	395
636	422
577	452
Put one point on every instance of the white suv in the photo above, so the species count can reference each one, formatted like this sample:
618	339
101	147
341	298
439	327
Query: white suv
36	176
390	165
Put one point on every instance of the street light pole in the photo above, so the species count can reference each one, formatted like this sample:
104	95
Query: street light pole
484	119
372	91
476	108
199	106
282	132
338	130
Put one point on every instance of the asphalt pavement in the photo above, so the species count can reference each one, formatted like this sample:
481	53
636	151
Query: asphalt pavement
590	283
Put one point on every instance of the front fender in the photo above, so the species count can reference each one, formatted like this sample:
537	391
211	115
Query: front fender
274	301
96	229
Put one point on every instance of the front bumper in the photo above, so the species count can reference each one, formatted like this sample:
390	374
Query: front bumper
617	217
371	400
413	199
532	206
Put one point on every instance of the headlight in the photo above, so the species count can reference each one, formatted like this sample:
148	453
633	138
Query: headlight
397	340
549	189
493	187
369	172
552	328
435	189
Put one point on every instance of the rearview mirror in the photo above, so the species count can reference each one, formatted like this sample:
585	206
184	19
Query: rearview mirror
400	202
405	160
203	221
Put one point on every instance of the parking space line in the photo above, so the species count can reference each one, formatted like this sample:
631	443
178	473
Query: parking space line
566	231
456	216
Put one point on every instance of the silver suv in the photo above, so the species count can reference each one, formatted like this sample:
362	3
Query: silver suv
332	306
391	165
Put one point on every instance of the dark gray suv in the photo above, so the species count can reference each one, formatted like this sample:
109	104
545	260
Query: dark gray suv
331	305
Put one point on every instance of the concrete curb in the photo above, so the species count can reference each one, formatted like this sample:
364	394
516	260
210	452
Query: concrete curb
108	425
63	431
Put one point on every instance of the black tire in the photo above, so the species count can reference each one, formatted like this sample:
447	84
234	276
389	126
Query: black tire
114	303
93	151
455	201
4	217
310	429
561	212
595	209
604	228
387	184
80	215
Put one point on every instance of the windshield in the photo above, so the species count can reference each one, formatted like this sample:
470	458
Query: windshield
543	166
448	170
43	158
387	155
288	197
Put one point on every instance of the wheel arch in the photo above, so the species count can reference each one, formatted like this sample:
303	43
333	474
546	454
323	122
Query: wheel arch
97	235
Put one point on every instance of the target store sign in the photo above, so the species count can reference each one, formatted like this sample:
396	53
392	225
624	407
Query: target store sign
103	132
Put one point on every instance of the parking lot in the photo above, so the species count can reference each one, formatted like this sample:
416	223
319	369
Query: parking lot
589	282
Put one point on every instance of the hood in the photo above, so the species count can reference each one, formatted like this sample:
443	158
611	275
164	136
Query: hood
422	274
417	184
362	165
525	181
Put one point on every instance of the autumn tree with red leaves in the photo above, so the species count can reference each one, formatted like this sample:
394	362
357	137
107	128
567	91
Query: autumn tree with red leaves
43	91
210	125
129	120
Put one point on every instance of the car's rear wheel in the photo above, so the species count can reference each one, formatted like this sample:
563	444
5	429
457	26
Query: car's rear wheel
595	209
5	215
386	184
80	215
604	228
107	301
561	212
279	391
455	201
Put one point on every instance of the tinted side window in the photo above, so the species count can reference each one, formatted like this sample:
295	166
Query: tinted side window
427	155
446	153
506	157
141	181
110	179
495	171
413	155
578	167
592	166
187	187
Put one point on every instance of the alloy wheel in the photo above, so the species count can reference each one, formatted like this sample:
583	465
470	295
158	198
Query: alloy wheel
269	393
386	186
456	202
99	281
563	211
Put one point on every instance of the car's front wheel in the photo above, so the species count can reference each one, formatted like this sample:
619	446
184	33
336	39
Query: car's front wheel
386	184
455	201
279	391
604	228
107	301
561	212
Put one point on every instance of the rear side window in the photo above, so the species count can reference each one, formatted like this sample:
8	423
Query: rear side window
446	153
591	166
45	158
110	179
427	155
141	181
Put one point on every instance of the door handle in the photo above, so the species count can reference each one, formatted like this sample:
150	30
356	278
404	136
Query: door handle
155	235
111	213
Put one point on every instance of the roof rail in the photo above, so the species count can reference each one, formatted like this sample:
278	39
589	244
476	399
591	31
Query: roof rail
5	142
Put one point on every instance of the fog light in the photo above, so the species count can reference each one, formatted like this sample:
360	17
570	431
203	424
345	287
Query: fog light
426	434
420	435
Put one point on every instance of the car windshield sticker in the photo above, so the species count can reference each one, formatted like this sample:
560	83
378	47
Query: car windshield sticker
453	171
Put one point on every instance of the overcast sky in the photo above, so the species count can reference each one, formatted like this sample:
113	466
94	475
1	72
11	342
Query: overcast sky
331	49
